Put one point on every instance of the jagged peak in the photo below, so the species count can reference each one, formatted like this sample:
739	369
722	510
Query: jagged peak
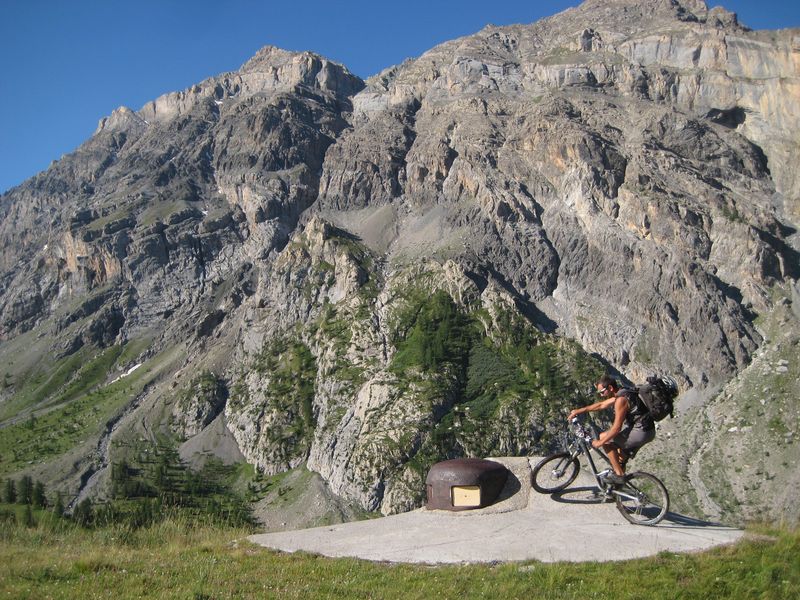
270	57
121	118
302	68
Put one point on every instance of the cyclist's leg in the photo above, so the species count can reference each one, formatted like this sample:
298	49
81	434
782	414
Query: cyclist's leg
614	450
635	439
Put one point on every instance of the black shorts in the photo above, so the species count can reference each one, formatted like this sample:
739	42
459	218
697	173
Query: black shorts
630	440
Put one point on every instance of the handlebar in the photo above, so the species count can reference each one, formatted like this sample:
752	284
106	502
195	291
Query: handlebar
580	430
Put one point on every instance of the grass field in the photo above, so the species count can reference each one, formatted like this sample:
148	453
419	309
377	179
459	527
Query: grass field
179	559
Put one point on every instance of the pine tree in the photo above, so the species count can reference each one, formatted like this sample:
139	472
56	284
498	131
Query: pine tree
58	508
25	491
10	492
119	476
38	498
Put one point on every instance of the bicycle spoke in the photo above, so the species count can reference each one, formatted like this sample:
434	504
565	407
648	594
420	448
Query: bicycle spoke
643	500
554	473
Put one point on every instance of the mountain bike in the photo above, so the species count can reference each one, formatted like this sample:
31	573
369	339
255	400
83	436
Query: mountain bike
642	499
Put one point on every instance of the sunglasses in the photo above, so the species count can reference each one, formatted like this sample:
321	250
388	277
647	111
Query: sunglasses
602	390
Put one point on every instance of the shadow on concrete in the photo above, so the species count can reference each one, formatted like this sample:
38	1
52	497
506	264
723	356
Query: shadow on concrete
688	522
580	495
593	495
511	487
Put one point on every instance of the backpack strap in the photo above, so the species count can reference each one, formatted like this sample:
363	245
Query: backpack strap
637	409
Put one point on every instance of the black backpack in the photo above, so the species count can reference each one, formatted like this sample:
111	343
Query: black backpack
658	395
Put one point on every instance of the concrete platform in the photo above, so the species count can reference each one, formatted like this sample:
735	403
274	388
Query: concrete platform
522	525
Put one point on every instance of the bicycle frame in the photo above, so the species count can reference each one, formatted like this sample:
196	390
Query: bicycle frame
582	444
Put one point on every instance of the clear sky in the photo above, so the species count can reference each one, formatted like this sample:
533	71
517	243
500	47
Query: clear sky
65	64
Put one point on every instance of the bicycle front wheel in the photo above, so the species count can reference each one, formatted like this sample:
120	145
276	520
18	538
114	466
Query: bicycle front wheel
554	473
643	499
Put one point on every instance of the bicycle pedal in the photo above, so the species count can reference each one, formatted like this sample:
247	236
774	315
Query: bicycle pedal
603	495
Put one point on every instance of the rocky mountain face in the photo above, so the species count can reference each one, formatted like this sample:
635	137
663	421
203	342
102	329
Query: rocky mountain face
364	277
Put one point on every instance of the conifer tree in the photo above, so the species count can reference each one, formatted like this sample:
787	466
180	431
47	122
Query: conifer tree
38	498
10	492
25	491
58	507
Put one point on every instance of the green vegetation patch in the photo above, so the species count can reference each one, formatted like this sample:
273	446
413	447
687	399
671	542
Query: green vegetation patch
47	382
78	411
155	479
285	487
337	330
438	333
292	372
289	371
492	383
59	381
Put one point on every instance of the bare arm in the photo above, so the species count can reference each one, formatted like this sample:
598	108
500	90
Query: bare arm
620	410
591	408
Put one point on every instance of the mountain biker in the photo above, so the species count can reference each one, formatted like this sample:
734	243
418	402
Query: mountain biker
633	426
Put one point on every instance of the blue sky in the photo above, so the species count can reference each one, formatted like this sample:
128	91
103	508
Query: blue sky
68	63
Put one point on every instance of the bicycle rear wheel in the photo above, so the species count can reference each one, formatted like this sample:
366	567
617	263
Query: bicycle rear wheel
643	499
554	473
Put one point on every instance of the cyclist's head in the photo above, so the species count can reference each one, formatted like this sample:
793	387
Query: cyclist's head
606	385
